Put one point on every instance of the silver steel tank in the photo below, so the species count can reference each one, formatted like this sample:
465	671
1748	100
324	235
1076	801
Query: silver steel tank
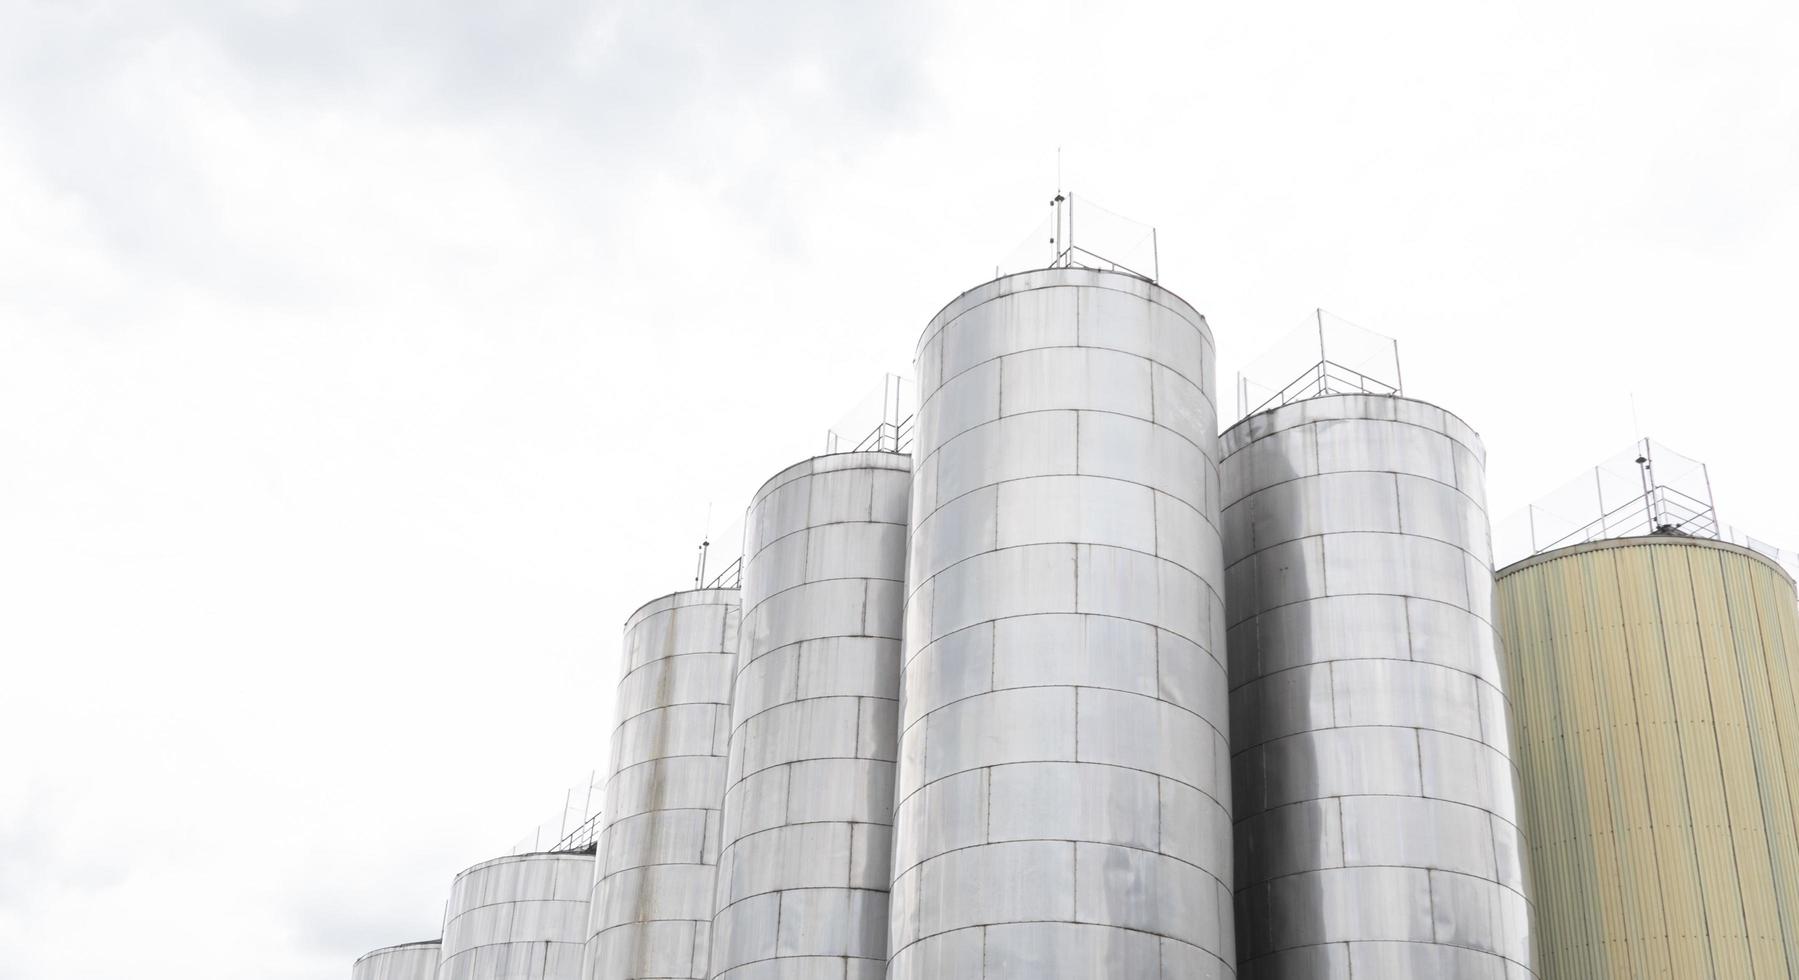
520	917
657	850
1062	798
803	870
1376	802
407	961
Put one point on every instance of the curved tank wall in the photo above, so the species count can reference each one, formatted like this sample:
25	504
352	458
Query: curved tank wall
408	961
520	917
1658	735
1062	798
803	871
658	845
1376	816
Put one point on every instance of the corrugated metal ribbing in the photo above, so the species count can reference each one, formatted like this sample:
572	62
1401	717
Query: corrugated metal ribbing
1658	737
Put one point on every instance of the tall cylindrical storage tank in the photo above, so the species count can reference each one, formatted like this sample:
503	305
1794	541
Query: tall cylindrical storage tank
1062	804
408	961
1377	828
520	917
808	810
1658	736
657	851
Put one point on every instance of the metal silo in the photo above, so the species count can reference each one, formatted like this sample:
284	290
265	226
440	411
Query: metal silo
1658	737
408	961
1376	816
1062	802
520	917
803	871
658	845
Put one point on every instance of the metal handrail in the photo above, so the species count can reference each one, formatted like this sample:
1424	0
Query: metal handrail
1648	512
731	577
1320	374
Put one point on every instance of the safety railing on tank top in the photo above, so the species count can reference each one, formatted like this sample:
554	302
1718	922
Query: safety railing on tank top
1660	510
885	437
730	578
582	837
1324	378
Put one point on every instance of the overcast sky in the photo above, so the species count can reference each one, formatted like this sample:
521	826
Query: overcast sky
364	364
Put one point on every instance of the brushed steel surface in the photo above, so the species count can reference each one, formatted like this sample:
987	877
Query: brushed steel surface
409	961
804	866
1063	805
520	917
657	853
1376	802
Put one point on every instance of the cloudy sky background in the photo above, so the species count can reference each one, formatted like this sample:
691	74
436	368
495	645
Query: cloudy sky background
363	365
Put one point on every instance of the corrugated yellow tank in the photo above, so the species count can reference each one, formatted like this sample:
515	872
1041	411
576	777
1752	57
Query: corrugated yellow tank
1653	686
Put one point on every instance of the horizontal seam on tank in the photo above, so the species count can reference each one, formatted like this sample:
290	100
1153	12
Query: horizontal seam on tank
1222	506
464	950
784	535
674	656
941	446
797	888
1343	728
1071	544
1263	882
1480	452
769	486
622	722
912	530
659	812
1355	660
738	726
1381	796
662	758
1206	332
820	581
1265	610
943	383
915	654
470	910
645	612
787	824
900	800
1529	971
1397	728
908	726
745	964
1064	922
1061	840
816	758
637	923
1323	535
623	868
898	641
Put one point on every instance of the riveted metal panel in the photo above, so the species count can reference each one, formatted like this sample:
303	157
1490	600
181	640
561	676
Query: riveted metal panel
522	917
1377	821
804	866
411	961
1658	737
657	850
1062	794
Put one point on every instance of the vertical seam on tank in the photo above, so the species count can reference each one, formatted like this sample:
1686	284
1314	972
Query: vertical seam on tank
1718	747
1681	749
1630	675
1603	732
1780	746
1761	788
